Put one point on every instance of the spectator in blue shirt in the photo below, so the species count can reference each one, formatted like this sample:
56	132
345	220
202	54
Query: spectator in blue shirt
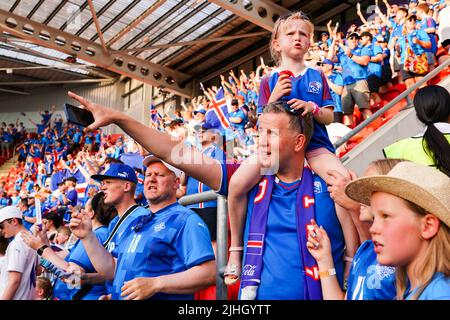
374	67
354	61
428	25
336	84
419	42
237	117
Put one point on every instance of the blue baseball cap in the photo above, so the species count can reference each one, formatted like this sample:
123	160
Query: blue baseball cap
202	111
117	171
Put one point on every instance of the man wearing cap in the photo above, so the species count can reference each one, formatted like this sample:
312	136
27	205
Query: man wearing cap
165	254
18	273
354	60
336	84
374	66
199	115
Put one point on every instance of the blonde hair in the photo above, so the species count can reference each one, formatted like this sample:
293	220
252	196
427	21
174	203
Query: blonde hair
383	166
435	259
297	15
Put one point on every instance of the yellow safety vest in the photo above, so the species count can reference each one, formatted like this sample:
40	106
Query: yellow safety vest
411	149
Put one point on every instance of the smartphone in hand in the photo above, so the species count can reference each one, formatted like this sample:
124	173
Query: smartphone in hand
78	116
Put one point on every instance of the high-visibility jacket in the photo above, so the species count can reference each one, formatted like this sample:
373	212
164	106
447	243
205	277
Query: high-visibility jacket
413	149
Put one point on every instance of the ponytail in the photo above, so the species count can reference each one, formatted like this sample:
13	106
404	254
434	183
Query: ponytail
432	104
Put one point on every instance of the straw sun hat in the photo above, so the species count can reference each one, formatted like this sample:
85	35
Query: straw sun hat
424	186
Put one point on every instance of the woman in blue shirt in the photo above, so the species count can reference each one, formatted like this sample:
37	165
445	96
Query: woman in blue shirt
77	261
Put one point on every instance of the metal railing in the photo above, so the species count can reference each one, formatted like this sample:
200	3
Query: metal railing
222	235
391	104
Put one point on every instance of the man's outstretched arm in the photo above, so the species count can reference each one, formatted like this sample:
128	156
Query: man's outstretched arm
189	160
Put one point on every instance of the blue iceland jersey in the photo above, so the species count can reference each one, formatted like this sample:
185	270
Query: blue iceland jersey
428	23
194	186
368	280
374	68
79	256
336	79
125	224
437	289
417	48
282	272
352	71
31	213
172	240
310	86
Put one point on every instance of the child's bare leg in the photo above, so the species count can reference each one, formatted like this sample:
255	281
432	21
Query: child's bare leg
244	179
321	161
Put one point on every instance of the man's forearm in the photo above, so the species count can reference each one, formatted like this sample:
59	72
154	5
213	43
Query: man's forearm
100	258
191	280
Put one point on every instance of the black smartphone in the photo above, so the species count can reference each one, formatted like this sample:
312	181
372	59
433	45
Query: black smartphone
78	116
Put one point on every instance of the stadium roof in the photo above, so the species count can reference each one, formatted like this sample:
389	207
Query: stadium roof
185	39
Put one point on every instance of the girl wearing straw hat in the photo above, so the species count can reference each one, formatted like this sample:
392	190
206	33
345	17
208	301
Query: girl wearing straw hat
411	228
367	280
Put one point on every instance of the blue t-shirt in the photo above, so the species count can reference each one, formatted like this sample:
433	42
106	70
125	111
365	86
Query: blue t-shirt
336	79
368	280
172	240
312	86
352	71
125	223
427	23
282	273
374	68
77	137
416	48
437	289
79	256
238	114
194	186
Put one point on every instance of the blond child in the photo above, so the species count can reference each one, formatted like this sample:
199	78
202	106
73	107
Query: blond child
306	91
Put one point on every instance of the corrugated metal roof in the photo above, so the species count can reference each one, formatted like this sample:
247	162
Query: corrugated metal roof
172	22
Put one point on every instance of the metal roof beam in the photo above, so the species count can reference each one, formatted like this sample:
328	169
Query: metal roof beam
261	13
135	22
144	32
205	34
98	14
188	32
92	52
177	24
36	7
55	12
97	25
14	90
200	41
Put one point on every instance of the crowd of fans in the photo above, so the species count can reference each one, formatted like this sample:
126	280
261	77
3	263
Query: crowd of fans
59	164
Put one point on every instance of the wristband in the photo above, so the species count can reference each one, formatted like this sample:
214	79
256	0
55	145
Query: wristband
350	55
327	273
234	249
40	251
316	109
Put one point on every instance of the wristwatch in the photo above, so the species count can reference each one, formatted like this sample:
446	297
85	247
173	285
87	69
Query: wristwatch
40	251
327	273
351	55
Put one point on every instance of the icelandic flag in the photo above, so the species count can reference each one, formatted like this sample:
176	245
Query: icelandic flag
217	116
155	117
255	243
